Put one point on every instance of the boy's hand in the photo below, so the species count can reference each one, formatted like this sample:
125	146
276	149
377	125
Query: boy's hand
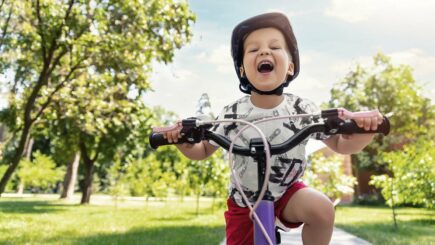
173	135
368	123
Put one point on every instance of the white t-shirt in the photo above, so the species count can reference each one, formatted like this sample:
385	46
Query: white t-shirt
287	168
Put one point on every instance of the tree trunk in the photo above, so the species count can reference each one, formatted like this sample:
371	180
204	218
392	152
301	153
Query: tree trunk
20	188
27	153
355	172
198	194
393	205
87	188
213	203
17	157
69	181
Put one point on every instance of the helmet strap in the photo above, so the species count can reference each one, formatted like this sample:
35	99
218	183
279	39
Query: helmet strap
277	91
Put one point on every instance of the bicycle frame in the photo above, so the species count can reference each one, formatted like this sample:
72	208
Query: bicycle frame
336	121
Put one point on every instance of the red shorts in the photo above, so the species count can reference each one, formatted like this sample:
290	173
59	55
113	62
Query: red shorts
239	228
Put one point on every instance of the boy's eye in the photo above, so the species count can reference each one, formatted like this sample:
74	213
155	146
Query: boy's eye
275	48
253	50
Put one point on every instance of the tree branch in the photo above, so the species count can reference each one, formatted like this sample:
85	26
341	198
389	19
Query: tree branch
5	27
54	43
1	5
40	31
98	151
58	87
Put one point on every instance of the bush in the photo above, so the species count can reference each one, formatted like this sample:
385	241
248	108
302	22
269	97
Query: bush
40	173
326	175
412	175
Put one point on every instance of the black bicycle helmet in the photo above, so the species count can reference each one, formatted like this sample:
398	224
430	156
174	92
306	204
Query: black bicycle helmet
241	31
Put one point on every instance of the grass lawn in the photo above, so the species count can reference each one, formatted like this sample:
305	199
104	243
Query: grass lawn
46	220
375	224
50	221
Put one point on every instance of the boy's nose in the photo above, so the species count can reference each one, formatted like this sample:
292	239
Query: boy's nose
265	52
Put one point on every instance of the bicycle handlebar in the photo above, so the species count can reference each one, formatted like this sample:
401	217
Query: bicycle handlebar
334	124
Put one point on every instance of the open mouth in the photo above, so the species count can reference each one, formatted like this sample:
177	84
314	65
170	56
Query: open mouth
265	66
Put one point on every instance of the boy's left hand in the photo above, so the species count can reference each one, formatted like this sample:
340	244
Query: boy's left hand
368	123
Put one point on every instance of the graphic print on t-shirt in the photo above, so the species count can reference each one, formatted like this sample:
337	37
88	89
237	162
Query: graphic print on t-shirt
286	168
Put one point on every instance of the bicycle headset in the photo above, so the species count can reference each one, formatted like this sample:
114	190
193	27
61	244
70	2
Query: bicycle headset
242	30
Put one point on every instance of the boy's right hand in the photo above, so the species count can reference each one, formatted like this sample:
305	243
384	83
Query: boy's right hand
174	134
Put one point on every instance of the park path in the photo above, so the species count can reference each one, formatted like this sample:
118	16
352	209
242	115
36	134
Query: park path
339	237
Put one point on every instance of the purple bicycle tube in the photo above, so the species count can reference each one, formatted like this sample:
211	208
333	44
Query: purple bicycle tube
265	213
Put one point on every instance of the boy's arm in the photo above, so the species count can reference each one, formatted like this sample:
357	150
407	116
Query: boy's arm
198	151
349	144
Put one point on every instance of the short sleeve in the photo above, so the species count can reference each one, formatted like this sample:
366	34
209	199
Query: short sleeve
311	108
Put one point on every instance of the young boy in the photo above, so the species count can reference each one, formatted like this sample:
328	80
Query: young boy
266	60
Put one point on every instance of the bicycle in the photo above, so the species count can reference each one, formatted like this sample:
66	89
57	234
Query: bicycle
335	121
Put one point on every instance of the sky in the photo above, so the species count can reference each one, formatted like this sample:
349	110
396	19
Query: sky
333	36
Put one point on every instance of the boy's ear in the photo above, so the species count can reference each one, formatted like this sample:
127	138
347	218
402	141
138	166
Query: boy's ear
291	69
242	71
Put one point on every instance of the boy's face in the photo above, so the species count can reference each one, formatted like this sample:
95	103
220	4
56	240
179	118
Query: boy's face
266	59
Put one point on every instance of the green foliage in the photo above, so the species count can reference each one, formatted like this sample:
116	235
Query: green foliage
167	169
209	176
412	175
326	174
40	173
117	181
395	93
217	186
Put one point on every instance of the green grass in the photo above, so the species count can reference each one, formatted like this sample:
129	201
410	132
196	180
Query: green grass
375	224
46	220
39	221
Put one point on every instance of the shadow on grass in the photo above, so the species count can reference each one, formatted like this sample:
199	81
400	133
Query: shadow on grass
32	207
149	236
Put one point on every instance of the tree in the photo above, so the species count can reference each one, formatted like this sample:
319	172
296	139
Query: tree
217	184
395	93
411	176
210	175
118	183
104	44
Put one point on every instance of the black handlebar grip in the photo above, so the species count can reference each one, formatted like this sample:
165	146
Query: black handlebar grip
350	127
157	139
